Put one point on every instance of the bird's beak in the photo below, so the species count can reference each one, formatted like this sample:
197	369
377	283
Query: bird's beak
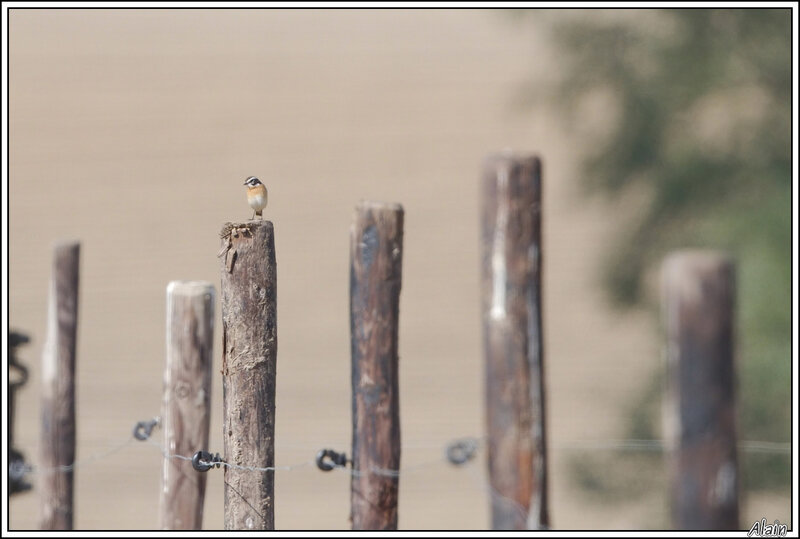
245	183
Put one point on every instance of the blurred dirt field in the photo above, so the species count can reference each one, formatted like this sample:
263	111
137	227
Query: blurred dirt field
133	130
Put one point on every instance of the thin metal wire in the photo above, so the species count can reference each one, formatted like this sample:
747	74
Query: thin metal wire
780	448
290	467
777	448
479	443
387	472
34	470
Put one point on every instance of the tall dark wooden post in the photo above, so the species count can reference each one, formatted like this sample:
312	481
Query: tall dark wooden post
249	362
698	302
376	253
512	326
58	390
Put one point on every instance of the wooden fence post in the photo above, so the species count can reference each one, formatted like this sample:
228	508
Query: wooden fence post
186	408
376	253
58	390
512	327
699	420
249	344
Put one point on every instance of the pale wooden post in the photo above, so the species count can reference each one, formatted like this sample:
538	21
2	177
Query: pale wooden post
58	390
698	302
186	408
513	344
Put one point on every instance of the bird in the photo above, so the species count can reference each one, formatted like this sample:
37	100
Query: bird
256	195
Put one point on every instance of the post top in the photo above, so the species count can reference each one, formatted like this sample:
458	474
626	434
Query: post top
66	244
508	156
250	223
697	258
380	206
189	287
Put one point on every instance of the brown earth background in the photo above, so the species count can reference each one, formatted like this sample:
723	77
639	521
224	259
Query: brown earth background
133	130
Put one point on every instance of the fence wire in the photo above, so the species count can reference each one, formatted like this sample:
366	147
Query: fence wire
466	447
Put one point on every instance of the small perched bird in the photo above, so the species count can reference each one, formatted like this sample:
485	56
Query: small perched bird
256	195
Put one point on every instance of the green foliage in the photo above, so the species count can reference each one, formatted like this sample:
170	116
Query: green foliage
699	104
703	122
613	476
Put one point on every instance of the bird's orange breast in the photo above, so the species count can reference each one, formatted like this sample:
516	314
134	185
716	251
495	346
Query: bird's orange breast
256	190
257	197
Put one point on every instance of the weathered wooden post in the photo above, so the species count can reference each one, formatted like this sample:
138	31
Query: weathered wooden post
186	408
699	420
58	390
249	360
512	328
376	255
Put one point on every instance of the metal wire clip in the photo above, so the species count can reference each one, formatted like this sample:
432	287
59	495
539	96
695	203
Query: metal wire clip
143	429
461	451
202	461
337	460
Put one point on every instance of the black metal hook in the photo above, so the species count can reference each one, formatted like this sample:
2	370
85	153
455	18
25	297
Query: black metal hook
143	429
16	463
202	461
17	469
14	340
337	460
460	451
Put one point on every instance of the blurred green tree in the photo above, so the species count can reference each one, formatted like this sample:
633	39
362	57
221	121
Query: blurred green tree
699	118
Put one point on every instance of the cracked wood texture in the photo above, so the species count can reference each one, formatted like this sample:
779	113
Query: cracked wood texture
249	361
512	329
376	256
58	390
186	408
698	306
